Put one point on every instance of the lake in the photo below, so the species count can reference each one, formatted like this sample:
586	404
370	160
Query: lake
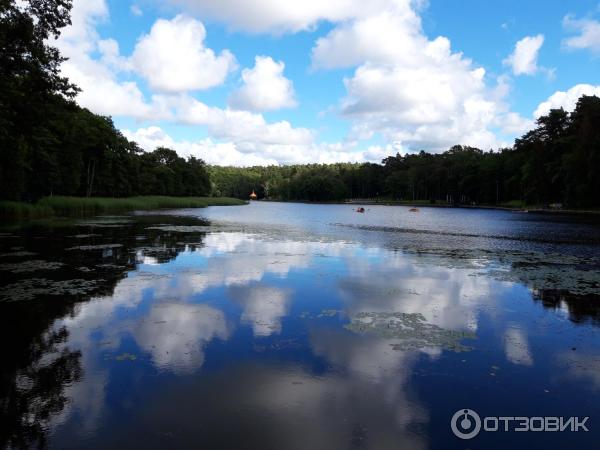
297	326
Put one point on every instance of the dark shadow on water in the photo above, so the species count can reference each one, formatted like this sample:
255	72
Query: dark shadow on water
36	366
581	308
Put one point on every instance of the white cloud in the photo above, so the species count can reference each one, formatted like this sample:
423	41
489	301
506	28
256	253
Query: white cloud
224	154
173	58
244	153
101	91
588	36
523	60
374	39
566	99
278	17
265	88
418	93
515	124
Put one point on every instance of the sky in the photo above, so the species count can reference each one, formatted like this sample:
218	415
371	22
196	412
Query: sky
258	82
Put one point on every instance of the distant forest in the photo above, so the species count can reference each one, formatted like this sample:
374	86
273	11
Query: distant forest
557	162
51	146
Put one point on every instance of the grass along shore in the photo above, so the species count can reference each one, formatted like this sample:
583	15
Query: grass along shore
85	206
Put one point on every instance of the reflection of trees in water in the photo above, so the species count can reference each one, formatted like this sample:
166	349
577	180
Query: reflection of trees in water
37	368
581	308
33	388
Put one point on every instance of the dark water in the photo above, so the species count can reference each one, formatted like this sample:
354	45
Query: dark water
276	326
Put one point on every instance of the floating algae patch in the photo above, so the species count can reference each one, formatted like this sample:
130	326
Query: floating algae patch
198	228
578	279
183	228
18	254
95	247
577	274
105	221
30	266
34	287
328	313
126	357
410	330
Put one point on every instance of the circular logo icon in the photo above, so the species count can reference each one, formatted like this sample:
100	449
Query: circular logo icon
465	424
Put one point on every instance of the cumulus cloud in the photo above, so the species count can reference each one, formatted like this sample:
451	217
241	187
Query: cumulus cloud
374	39
275	16
514	123
523	60
101	91
218	153
173	58
587	37
265	88
566	99
419	94
231	153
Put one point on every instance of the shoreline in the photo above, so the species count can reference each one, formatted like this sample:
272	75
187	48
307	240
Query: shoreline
418	204
60	206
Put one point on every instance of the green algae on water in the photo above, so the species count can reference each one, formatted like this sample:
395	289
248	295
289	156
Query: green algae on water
328	313
95	247
126	357
412	330
34	287
30	266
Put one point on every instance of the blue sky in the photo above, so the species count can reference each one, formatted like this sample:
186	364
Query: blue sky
240	82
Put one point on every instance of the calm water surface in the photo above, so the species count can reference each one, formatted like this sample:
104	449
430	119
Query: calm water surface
292	326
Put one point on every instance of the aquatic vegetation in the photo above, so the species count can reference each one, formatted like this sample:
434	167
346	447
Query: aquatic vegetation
95	247
183	228
18	254
412	331
97	205
198	228
30	266
328	313
577	274
126	357
31	288
85	206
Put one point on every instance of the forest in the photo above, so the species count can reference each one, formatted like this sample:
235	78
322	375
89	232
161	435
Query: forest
556	163
50	146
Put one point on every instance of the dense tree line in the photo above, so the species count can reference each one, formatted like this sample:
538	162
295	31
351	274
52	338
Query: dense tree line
557	162
51	146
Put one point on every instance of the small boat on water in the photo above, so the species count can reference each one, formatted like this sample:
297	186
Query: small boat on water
360	210
413	210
